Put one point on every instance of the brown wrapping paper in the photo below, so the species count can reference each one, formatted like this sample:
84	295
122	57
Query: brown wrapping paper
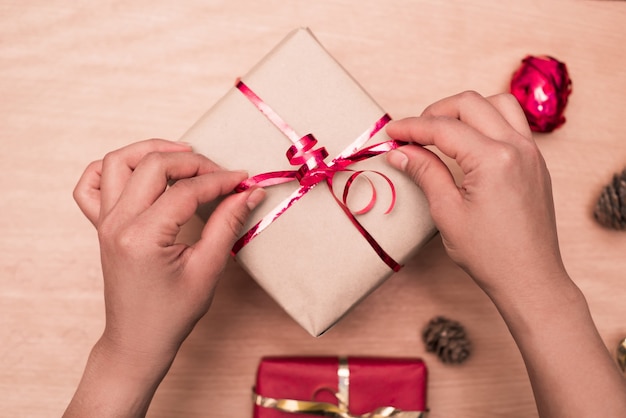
312	260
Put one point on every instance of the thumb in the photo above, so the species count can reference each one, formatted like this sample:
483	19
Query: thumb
226	223
428	172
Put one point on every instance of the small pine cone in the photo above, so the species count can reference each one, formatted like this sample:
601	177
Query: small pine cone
610	210
447	339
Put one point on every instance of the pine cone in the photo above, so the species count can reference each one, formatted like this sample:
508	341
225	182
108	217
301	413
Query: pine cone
610	210
447	339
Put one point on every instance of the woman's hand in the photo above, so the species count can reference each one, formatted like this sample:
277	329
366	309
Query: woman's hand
155	289
499	223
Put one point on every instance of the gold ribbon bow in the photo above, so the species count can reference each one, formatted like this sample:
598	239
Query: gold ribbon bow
326	409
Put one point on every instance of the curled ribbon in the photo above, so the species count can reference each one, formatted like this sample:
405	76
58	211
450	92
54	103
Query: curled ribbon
312	170
326	409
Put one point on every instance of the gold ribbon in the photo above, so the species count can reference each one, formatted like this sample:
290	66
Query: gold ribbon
326	409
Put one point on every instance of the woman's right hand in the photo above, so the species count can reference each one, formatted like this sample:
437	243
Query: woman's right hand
499	223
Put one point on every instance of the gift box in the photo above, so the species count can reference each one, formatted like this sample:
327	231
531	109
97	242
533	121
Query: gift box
340	387
303	247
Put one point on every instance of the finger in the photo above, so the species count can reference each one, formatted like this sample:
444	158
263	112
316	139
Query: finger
177	205
87	191
152	175
510	109
476	111
454	138
223	228
429	173
118	166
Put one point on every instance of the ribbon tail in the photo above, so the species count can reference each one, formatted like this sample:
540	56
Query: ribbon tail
387	259
270	217
365	136
272	178
372	151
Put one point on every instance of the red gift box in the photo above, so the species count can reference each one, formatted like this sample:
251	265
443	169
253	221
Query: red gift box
340	387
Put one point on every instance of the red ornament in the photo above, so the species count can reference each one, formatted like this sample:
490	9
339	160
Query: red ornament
542	86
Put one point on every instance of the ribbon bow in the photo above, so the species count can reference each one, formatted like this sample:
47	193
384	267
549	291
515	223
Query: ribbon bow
326	409
313	169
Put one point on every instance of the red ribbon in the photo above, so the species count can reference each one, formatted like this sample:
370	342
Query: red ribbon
313	170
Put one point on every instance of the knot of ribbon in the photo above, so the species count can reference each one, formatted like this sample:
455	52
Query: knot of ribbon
327	409
313	169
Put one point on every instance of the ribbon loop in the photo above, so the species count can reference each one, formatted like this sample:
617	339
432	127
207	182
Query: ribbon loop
370	205
299	153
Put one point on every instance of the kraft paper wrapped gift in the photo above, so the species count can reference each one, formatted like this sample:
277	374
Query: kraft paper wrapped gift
287	387
312	260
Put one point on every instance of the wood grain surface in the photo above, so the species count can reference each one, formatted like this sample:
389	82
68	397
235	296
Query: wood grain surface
78	79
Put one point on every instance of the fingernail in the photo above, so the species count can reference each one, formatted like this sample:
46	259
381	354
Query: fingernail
255	197
397	159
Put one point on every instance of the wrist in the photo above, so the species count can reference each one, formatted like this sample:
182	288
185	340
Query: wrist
545	295
134	365
519	287
118	382
561	347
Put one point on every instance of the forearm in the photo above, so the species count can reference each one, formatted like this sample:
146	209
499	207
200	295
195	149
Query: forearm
570	369
117	384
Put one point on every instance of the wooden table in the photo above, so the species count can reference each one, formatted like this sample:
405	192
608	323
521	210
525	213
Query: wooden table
78	79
